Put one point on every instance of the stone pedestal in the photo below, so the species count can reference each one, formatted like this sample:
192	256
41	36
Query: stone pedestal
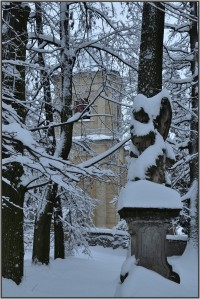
148	228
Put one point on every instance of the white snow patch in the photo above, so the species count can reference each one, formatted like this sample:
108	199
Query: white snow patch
74	118
177	237
142	282
94	137
20	134
139	166
150	105
133	148
189	259
169	151
59	145
146	194
107	231
77	276
98	276
128	264
141	129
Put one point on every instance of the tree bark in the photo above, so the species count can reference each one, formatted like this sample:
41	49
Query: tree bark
193	144
45	80
193	147
15	18
67	63
150	84
12	233
59	248
41	242
151	49
54	203
42	228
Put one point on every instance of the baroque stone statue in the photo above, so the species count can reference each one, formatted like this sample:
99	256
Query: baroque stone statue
150	124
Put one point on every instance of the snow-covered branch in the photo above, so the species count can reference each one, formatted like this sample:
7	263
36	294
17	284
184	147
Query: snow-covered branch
188	159
185	27
23	63
113	53
103	155
47	38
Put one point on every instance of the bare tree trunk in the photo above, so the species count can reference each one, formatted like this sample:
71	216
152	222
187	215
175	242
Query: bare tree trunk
150	84
15	18
53	202
193	144
67	63
194	94
12	233
41	242
42	228
151	49
45	80
59	248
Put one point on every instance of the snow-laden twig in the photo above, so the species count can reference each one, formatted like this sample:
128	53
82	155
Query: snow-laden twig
186	160
47	38
10	202
103	155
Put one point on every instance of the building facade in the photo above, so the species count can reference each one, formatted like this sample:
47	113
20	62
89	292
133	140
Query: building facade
97	132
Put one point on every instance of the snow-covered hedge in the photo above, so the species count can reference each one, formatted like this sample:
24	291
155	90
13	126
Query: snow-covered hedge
108	238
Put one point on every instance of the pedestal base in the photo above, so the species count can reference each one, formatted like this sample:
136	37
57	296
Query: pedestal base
148	233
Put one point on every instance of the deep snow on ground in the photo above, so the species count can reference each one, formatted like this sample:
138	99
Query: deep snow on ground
98	276
142	282
78	276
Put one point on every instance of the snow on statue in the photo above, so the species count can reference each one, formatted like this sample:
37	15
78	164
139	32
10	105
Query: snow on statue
146	202
150	154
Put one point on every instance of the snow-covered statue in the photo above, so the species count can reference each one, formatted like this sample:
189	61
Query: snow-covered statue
150	154
146	202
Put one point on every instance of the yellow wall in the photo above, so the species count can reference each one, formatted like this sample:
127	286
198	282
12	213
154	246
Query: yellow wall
99	132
